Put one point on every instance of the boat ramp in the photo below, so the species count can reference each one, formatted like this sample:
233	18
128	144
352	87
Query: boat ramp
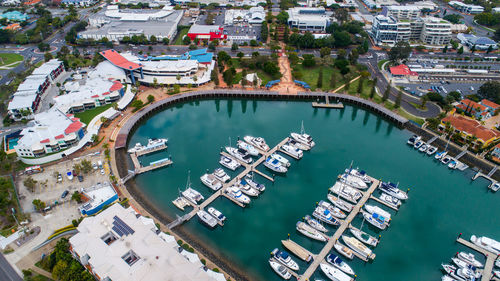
487	272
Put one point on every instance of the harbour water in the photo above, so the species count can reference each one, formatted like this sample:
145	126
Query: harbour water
422	234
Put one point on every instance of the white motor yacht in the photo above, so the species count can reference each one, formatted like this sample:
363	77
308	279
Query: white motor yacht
339	263
248	148
440	155
247	189
349	193
297	153
216	214
375	220
423	148
462	264
206	219
258	142
285	162
390	200
152	144
304	139
358	247
359	174
229	163
363	236
298	145
221	175
393	190
239	154
250	181
470	259
353	181
486	243
138	147
325	216
235	193
343	205
280	269
447	278
345	251
376	209
192	196
275	165
446	159
411	141
495	187
284	258
211	181
310	231
336	212
315	223
431	150
418	144
333	273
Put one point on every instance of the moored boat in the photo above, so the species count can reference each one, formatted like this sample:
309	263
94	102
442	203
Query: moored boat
274	165
344	250
390	200
446	159
353	181
192	196
285	162
284	258
375	220
229	163
250	149
315	223
418	144
258	142
440	155
336	212
239	154
297	250
217	215
211	182
423	148
358	247
221	175
411	141
349	193
152	144
339	263
486	243
393	190
295	152
325	216
359	174
363	236
206	218
280	269
298	145
431	150
470	259
343	205
310	232
250	181
333	273
376	209
247	189
235	193
304	139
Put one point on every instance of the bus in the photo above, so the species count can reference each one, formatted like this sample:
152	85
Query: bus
33	170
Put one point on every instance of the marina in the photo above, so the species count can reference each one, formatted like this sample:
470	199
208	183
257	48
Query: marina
487	272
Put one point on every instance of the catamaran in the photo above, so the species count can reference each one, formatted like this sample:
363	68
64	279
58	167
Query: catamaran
310	232
353	181
349	193
281	159
258	142
211	182
250	181
297	153
363	236
486	243
239	154
315	224
375	220
339	263
275	165
280	269
324	215
217	215
284	258
229	163
221	175
336	212
333	273
358	247
248	148
393	190
192	196
235	193
206	218
343	205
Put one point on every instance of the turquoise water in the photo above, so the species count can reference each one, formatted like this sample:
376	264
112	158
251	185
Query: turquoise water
442	202
12	143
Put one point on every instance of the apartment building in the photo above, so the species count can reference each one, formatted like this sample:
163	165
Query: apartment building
308	19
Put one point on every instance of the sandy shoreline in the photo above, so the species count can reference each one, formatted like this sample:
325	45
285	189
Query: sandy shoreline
195	242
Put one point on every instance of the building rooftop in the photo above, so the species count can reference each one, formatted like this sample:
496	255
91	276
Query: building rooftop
203	29
402	70
471	127
47	68
118	60
490	104
97	195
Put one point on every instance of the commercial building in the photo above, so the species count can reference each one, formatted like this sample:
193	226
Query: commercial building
407	12
120	245
468	128
308	19
377	4
52	131
426	5
28	95
115	24
428	30
480	43
98	196
79	3
402	71
206	32
466	8
254	15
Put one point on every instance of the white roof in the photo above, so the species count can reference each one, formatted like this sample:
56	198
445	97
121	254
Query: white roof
31	82
157	258
48	67
137	15
97	195
198	28
107	70
21	101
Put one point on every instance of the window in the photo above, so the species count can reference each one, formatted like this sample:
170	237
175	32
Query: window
130	257
109	238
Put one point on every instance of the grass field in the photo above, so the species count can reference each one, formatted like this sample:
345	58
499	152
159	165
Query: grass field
310	75
180	35
88	115
8	58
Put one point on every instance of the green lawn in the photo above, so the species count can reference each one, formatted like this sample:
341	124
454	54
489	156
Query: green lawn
180	35
380	63
263	76
310	76
88	115
8	58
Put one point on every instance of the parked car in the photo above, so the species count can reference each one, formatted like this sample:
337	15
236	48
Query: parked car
80	178
59	178
94	166
64	194
99	164
102	172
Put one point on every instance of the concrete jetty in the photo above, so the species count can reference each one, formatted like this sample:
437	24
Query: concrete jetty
327	104
487	273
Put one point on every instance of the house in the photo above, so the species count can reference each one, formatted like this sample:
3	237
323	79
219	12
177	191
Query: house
480	43
496	151
99	195
470	128
478	110
490	106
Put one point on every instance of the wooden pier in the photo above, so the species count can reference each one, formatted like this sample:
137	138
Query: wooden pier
139	169
487	273
333	239
327	104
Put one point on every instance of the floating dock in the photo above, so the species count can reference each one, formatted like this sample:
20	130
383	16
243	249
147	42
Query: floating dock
487	273
151	150
139	169
327	104
298	250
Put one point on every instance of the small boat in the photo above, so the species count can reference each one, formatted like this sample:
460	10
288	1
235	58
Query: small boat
333	273
363	236
440	155
376	209
359	174
216	214
470	259
192	196
390	200
358	247
423	148
446	159
221	175
229	163
250	149
486	243
349	193
239	154
325	216
310	232
353	181
284	258
206	218
304	139
258	186
211	181
275	165
138	147
461	166
462	264
339	263
495	187
453	164
297	250
452	272
336	212
298	145
247	189
280	269
393	190
315	224
295	152
412	139
152	144
343	205
344	250
375	220
281	159
418	144
235	193
258	142
431	150
181	203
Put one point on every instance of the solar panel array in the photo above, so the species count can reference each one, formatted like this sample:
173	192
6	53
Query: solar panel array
121	228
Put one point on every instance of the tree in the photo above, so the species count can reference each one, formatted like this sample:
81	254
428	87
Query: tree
424	101
30	183
214	76
490	90
39	204
77	197
460	50
397	102
186	40
244	77
308	60
342	38
341	14
137	104
400	51
264	31
341	54
254	43
453	18
77	168
240	55
282	17
361	81
151	98
387	92
234	47
165	41
374	88
445	49
325	52
60	270
86	166
353	56
319	85
222	57
333	82
490	48
228	76
48	56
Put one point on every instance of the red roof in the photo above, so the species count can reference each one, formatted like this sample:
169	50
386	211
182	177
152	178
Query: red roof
490	104
95	96
73	127
59	137
45	141
402	70
115	58
471	127
105	94
116	86
75	119
472	105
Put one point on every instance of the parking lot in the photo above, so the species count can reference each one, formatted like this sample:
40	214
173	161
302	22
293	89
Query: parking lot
240	29
420	89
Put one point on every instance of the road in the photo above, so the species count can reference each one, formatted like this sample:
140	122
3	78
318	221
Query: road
7	272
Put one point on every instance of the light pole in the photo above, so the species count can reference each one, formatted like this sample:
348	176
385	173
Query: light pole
13	214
